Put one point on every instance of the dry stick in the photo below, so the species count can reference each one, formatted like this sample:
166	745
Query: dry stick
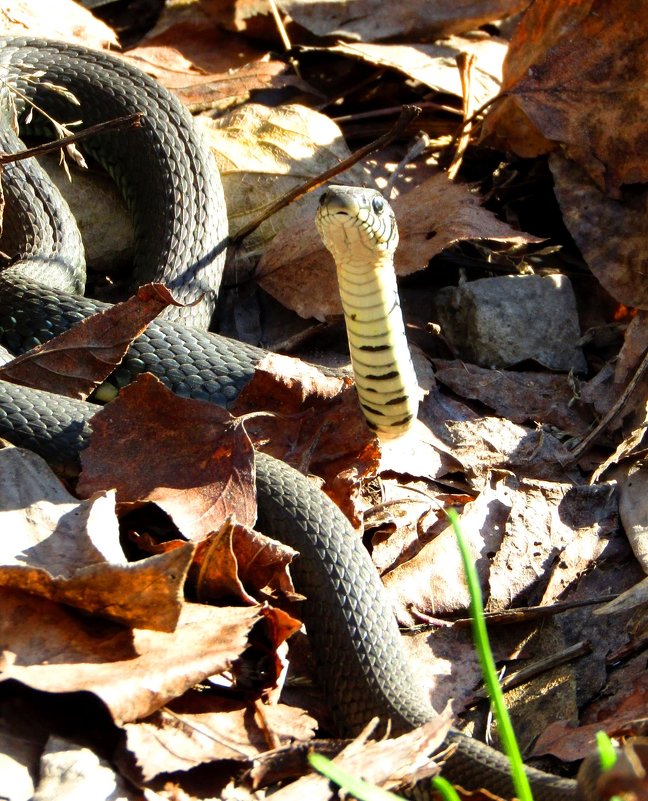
132	121
408	115
525	674
586	443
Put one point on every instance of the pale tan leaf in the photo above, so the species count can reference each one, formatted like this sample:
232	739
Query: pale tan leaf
361	19
69	551
55	19
262	153
435	65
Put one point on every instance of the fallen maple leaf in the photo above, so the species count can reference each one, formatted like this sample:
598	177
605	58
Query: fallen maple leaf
187	456
575	70
316	426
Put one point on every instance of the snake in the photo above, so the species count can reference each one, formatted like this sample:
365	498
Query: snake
359	229
172	188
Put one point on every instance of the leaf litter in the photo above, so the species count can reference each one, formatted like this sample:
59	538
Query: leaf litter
109	597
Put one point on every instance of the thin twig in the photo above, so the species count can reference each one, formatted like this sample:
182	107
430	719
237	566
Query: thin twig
586	443
408	115
131	121
537	668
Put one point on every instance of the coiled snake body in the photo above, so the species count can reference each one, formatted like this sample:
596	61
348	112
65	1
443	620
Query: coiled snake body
173	191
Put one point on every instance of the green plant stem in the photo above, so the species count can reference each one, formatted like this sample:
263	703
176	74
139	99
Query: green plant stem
356	787
482	643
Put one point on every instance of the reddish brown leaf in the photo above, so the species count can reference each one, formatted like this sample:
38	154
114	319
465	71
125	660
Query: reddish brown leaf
69	551
610	232
578	71
77	361
199	728
318	428
199	91
134	672
187	456
236	561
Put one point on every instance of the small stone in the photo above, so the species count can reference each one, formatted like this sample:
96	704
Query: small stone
502	321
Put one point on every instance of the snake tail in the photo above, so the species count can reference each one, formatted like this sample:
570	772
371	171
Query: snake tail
359	229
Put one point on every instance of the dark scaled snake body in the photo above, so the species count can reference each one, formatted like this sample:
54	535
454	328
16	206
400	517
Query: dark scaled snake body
173	191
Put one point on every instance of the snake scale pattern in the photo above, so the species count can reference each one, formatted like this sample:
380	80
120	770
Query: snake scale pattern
173	191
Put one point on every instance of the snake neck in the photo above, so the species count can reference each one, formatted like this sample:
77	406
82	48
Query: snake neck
384	374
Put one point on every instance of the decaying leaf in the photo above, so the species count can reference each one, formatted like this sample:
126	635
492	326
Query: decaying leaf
197	729
77	361
610	232
68	551
563	52
546	398
187	456
435	65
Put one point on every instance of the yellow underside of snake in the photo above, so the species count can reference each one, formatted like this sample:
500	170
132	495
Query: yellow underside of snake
359	229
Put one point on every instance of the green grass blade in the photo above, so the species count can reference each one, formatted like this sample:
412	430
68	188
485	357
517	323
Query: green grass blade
445	789
606	751
482	644
356	787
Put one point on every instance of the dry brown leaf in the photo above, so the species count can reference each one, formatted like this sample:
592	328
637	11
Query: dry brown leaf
481	444
434	65
300	273
611	233
359	20
389	763
200	91
199	728
262	153
133	671
187	456
75	362
545	398
69	551
316	426
554	534
238	561
529	539
578	71
55	19
432	582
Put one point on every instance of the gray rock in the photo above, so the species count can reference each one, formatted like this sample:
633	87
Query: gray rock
499	322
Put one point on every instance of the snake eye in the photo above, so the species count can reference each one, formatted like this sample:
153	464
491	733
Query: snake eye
322	199
378	204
